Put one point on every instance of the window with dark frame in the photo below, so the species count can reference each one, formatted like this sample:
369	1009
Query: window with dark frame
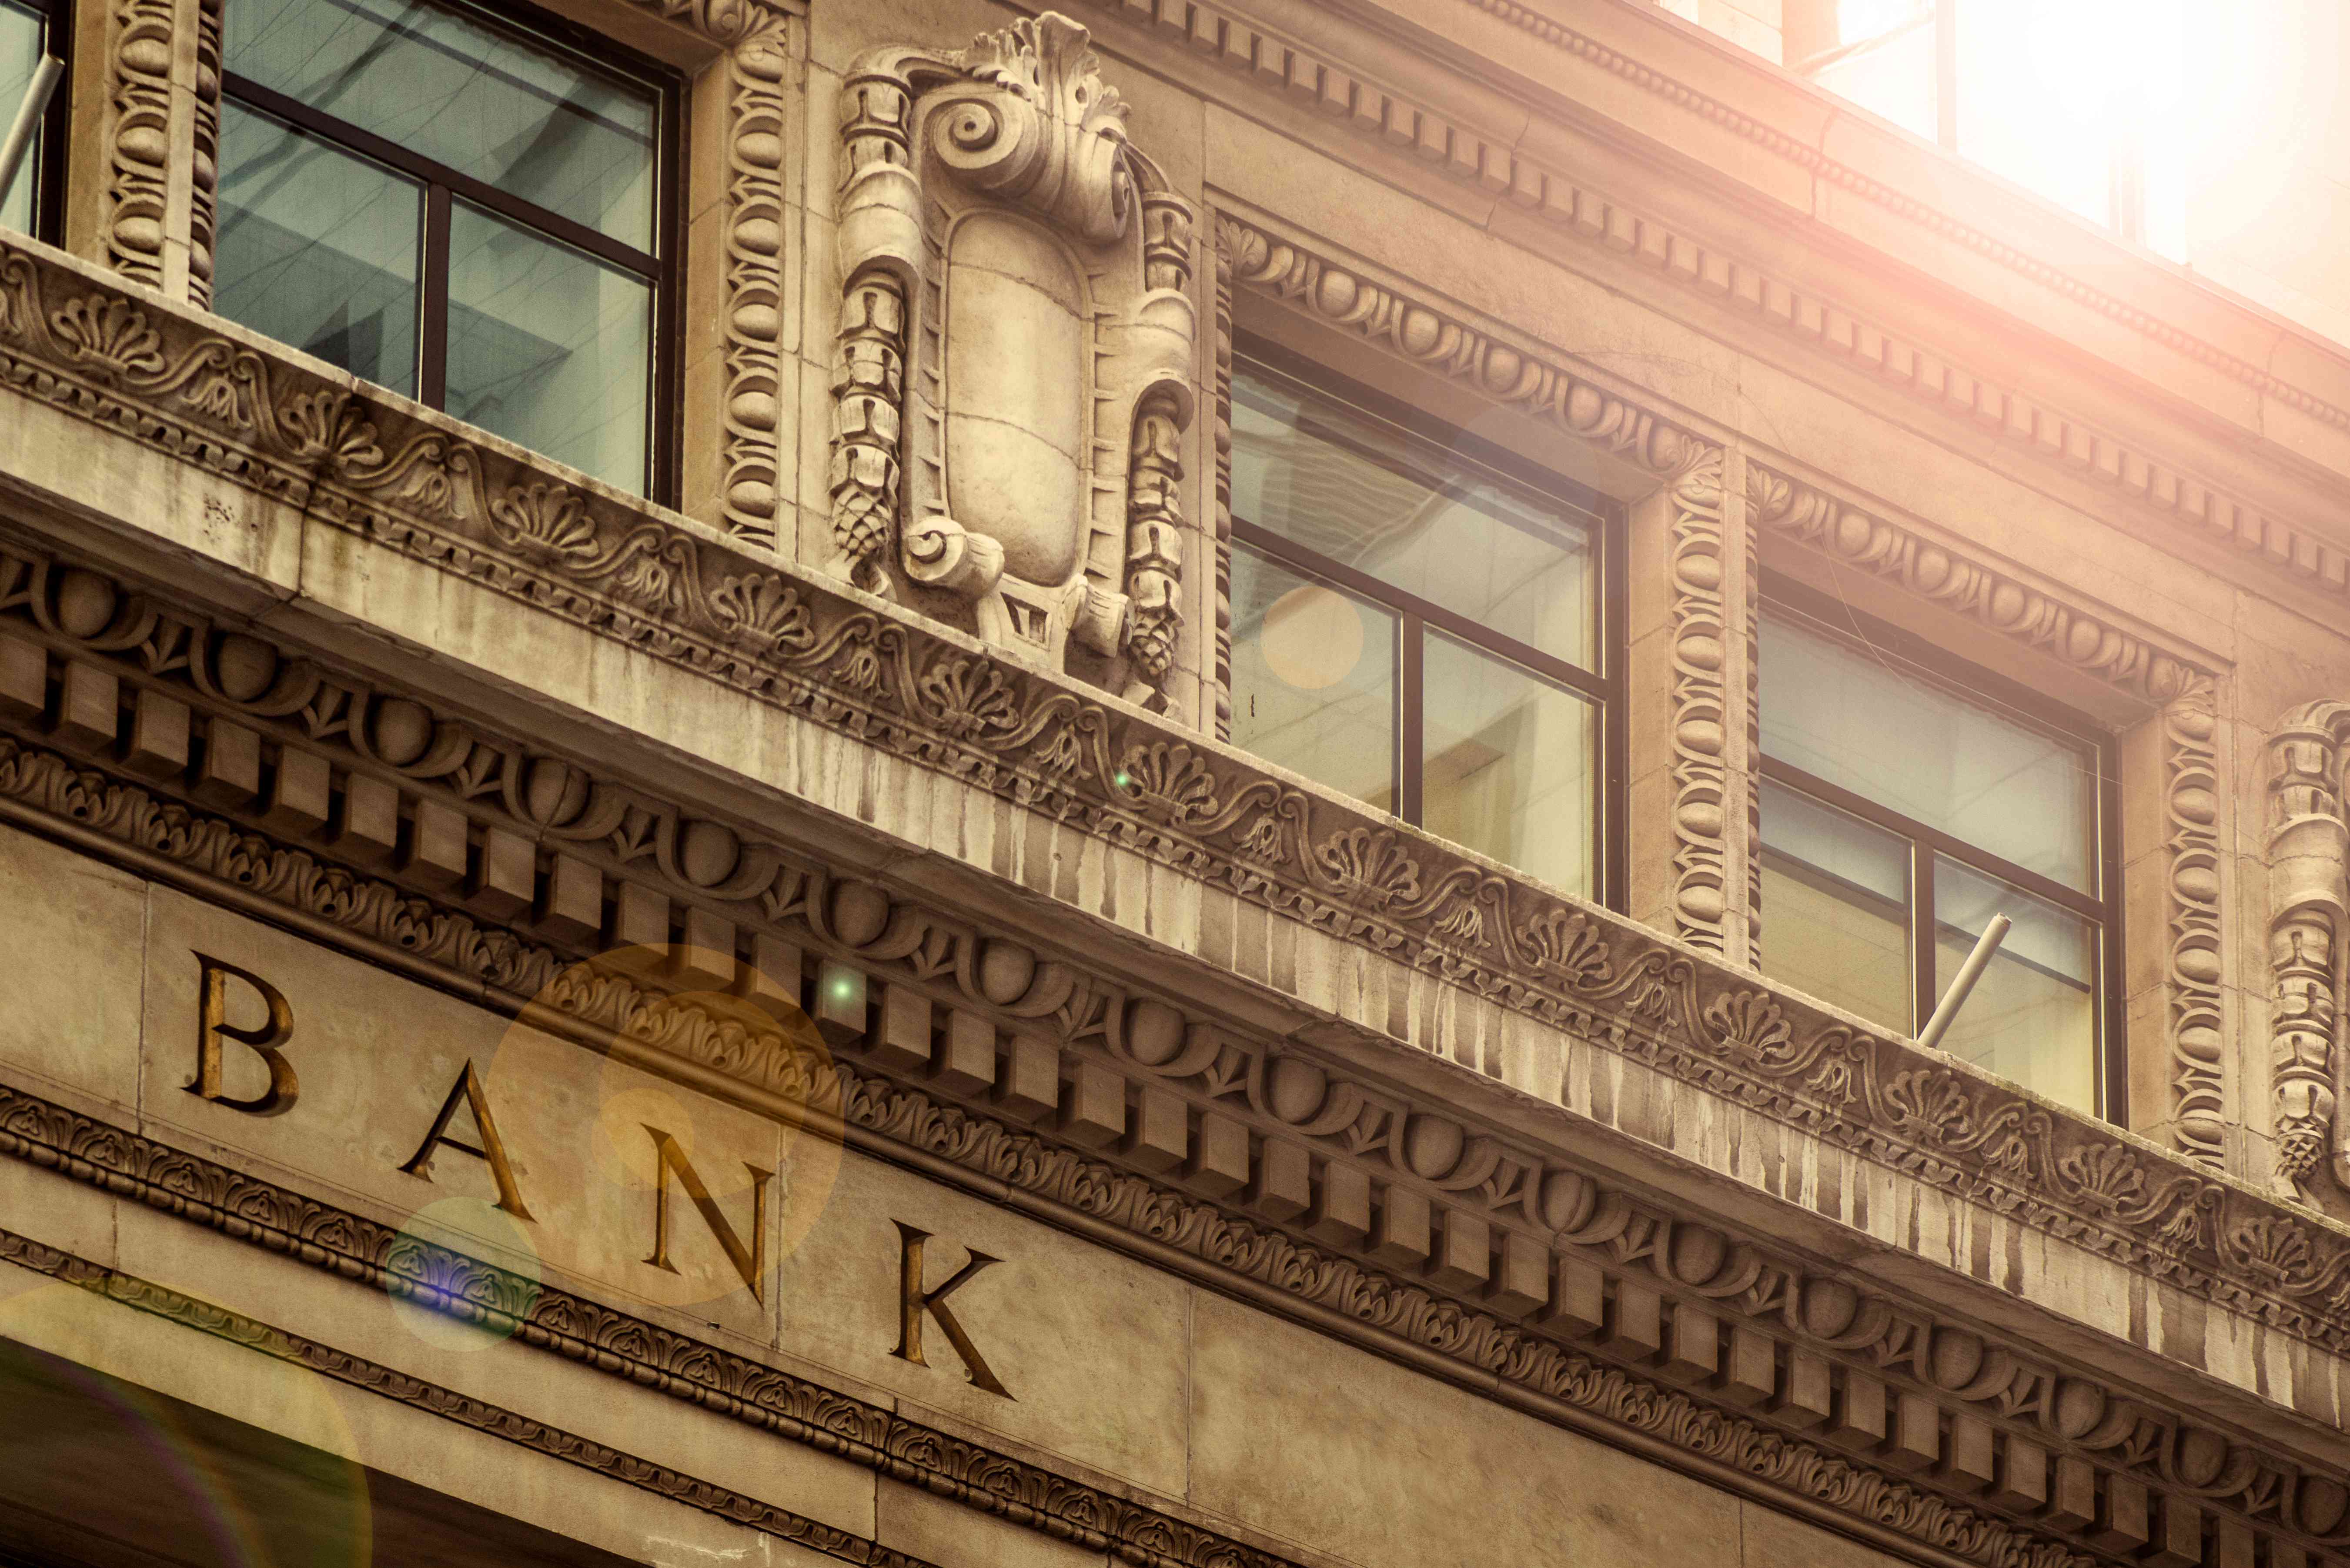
1425	623
461	208
1903	804
28	30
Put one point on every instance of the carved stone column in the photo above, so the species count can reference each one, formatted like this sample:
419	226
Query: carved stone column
2309	860
148	148
1691	799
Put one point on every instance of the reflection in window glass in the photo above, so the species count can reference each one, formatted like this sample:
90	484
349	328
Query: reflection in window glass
2033	1015
1313	679
454	92
1508	764
1867	724
21	34
546	347
455	212
1835	907
318	249
1358	492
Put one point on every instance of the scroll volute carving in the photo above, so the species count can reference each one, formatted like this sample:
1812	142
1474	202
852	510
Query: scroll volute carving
2309	893
1012	378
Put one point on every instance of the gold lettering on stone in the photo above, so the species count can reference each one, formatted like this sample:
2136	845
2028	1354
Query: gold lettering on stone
212	1026
914	1302
751	1261
491	1151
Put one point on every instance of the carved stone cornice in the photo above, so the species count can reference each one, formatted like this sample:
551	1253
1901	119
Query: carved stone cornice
1576	1294
409	483
406	483
1788	303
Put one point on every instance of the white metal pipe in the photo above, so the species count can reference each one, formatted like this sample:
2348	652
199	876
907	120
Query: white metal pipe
29	118
1969	972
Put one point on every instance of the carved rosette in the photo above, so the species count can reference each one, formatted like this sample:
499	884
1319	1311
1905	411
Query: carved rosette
1012	374
2309	858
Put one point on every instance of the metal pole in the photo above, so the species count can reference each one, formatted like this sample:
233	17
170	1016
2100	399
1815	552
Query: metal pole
1969	972
29	118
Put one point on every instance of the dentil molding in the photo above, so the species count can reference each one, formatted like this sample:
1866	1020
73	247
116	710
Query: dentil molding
1141	1122
405	483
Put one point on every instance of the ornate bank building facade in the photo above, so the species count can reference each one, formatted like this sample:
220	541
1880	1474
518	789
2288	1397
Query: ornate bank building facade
903	782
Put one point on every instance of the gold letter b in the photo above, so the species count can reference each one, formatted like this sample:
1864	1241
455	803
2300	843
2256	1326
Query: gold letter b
212	1027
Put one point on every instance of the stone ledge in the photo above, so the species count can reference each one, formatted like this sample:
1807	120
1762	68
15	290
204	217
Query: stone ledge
1469	1224
393	485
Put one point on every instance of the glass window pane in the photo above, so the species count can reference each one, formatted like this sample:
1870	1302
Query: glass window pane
445	87
1313	679
1892	74
20	53
1877	729
1835	907
549	348
1363	493
317	249
1508	764
2041	89
2033	1016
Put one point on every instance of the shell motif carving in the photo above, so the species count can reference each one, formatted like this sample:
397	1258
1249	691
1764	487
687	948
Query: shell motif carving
1012	376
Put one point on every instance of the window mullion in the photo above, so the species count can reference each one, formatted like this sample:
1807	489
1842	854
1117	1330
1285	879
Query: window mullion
1946	72
432	316
1409	719
1921	935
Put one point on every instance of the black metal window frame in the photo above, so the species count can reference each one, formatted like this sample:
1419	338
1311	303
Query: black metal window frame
1417	617
591	54
1827	618
46	169
2126	180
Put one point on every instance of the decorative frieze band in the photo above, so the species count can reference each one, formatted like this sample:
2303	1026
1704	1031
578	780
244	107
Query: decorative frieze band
1503	1256
1934	378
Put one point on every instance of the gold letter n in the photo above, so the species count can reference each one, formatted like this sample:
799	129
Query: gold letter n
751	1261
